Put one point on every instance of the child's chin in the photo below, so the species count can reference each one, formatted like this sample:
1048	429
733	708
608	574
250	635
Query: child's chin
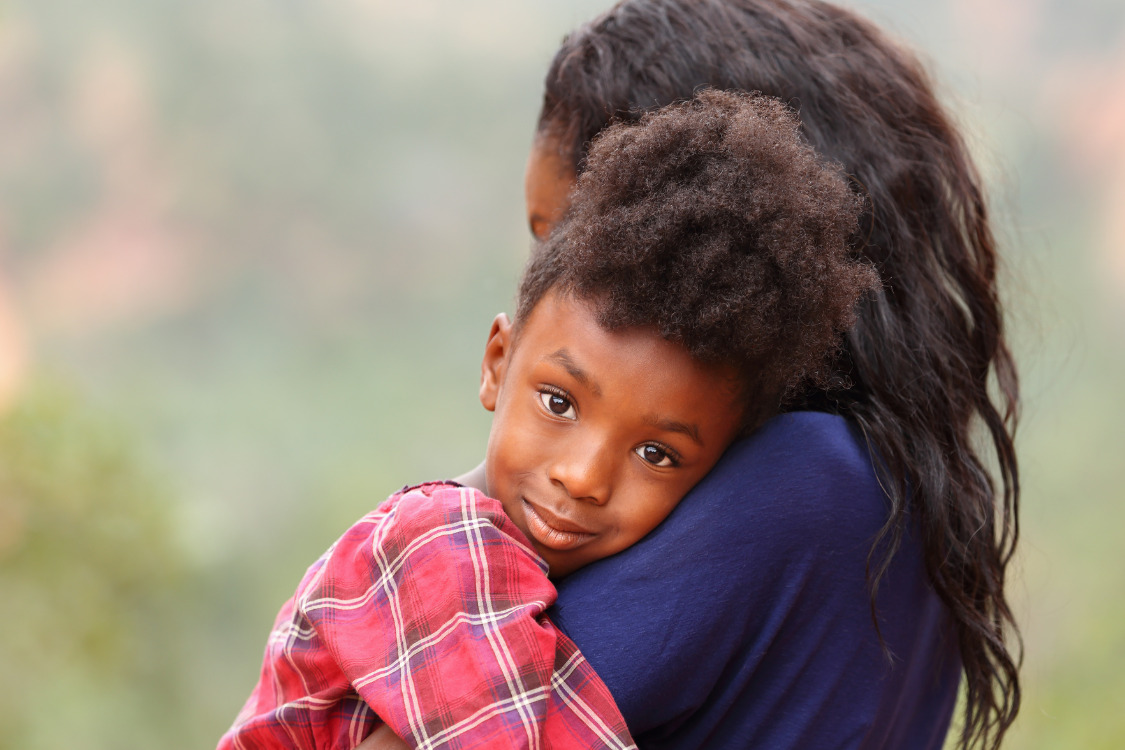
558	569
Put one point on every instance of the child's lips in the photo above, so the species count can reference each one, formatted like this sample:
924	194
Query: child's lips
552	531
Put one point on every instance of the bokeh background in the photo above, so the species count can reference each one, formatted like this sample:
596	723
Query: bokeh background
249	253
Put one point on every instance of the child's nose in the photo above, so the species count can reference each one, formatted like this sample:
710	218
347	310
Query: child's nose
584	469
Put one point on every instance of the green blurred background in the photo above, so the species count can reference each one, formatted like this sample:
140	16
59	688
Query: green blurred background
249	253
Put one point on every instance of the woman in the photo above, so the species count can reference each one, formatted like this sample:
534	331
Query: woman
833	577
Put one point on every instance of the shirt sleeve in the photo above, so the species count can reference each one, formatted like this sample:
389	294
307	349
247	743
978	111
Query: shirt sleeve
432	612
755	627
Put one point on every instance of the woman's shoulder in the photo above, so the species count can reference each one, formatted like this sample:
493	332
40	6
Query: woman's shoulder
802	487
801	472
795	504
803	447
756	587
812	433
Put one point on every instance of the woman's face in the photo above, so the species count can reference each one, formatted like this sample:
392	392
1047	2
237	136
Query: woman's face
547	185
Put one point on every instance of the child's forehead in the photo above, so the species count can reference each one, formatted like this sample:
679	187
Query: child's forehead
567	329
562	314
554	298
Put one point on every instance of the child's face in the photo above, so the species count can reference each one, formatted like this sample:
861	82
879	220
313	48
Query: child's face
597	435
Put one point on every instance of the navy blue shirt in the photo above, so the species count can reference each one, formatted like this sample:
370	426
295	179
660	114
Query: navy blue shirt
743	621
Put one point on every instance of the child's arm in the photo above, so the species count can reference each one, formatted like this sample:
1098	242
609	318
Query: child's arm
428	613
383	739
448	642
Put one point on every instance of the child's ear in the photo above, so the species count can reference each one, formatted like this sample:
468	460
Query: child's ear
495	361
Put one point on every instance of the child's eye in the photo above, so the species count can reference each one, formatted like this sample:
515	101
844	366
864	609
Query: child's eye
557	404
655	455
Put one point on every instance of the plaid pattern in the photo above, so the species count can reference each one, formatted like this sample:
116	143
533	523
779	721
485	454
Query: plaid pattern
428	614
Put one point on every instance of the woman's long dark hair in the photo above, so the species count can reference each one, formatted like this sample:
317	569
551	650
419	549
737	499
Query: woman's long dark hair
927	367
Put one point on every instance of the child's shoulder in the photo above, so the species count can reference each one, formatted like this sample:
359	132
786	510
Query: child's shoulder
435	525
443	497
437	509
442	488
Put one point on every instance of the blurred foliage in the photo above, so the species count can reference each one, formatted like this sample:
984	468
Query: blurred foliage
88	567
264	242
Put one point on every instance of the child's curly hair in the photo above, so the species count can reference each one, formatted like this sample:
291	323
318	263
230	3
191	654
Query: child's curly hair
714	222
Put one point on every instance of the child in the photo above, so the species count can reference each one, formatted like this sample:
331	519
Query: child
701	274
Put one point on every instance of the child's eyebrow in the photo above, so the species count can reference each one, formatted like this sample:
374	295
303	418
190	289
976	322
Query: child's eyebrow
671	425
562	356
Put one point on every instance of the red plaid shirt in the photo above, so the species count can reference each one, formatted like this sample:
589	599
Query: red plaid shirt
428	614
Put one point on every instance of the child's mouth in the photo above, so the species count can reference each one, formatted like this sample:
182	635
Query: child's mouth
552	531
